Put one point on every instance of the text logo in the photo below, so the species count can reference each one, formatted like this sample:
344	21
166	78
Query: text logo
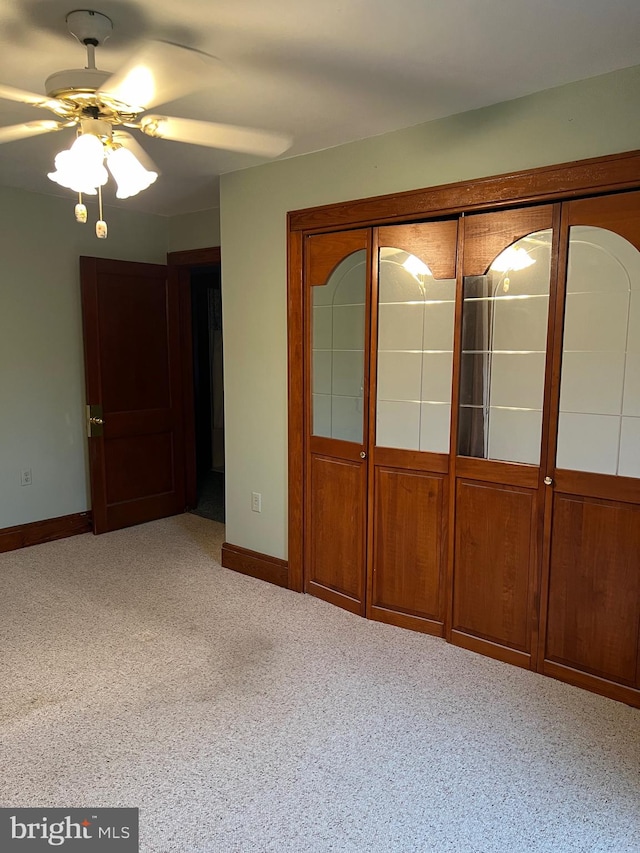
88	830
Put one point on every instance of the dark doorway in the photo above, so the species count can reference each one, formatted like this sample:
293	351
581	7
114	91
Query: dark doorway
208	390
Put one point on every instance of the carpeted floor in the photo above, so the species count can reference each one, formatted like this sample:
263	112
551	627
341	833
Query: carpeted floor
242	718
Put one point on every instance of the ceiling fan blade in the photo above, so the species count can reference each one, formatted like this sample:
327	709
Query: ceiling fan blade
131	143
246	140
30	128
159	73
8	93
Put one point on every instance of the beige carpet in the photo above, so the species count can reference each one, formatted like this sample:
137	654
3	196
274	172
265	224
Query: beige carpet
237	716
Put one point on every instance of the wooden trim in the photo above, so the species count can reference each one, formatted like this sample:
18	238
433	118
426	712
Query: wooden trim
405	620
179	266
195	257
547	183
37	532
181	279
551	413
371	380
604	486
490	649
338	599
501	473
416	460
295	359
261	566
610	689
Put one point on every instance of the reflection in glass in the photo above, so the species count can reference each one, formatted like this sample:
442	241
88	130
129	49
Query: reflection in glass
338	336
504	341
599	424
415	354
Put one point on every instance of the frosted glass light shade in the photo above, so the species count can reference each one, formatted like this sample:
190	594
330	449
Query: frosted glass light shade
81	167
512	259
129	174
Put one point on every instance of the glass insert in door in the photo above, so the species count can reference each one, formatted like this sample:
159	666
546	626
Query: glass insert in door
504	343
415	354
599	424
338	339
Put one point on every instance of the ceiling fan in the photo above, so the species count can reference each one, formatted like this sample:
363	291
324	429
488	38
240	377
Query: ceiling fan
100	105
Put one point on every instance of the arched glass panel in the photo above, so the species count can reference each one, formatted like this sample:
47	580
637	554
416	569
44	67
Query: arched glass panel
599	424
504	342
415	354
338	337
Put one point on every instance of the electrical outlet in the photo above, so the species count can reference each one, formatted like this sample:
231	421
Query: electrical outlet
25	477
256	501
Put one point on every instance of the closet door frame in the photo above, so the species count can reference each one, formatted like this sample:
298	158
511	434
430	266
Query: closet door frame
617	172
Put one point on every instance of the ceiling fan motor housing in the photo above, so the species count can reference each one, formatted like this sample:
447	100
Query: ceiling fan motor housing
63	83
89	27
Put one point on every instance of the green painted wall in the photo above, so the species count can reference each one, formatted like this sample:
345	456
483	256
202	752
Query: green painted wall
41	359
199	230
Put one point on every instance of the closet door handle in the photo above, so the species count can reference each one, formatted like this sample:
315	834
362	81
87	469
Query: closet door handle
363	455
548	481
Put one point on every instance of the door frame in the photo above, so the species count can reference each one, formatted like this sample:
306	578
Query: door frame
179	267
609	174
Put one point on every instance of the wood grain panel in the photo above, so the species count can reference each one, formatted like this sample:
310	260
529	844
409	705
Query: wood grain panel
492	471
491	584
337	525
409	535
605	486
488	234
564	180
129	359
619	213
594	587
418	460
140	466
325	251
432	242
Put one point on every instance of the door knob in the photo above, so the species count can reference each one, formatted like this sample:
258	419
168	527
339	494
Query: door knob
363	455
548	481
95	422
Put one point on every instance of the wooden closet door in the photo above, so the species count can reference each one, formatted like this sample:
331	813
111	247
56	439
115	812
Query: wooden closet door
501	381
591	600
337	288
411	358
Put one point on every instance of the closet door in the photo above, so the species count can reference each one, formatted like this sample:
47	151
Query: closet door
506	280
411	371
593	592
337	287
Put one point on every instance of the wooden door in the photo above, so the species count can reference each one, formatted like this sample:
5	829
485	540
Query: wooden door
411	372
498	430
132	368
591	595
337	288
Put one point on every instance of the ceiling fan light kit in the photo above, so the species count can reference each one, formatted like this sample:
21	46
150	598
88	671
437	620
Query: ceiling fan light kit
100	104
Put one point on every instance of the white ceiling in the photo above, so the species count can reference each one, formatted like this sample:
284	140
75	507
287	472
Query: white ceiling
325	71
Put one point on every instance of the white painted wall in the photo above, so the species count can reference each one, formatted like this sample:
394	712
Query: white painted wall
585	119
41	359
199	230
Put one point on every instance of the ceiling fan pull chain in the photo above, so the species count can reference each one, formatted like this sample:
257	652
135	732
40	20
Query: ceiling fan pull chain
81	210
101	225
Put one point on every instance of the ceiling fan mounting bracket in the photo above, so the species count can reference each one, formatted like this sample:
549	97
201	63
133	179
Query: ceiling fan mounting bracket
90	28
